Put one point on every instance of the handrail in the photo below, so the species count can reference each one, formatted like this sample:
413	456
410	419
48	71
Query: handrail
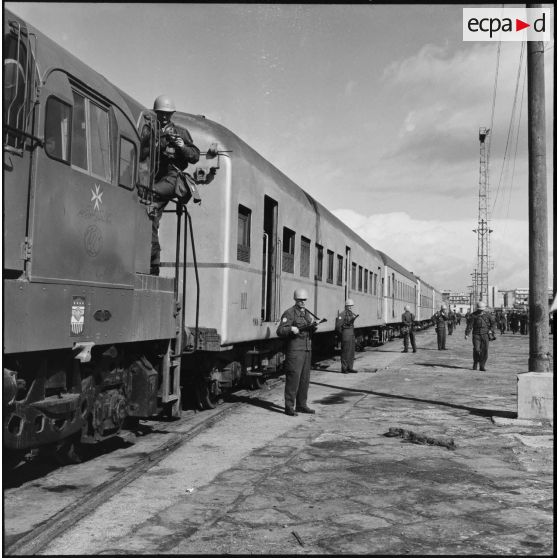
266	274
196	330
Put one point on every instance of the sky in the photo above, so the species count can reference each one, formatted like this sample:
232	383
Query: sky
374	110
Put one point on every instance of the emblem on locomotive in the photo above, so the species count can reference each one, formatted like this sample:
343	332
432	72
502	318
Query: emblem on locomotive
97	197
77	319
93	240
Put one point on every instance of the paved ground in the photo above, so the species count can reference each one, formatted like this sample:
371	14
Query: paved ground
333	483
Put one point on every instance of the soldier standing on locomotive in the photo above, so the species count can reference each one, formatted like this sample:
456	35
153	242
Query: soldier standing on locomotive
344	326
297	326
176	150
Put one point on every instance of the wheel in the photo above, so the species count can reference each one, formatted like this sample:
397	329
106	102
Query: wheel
208	394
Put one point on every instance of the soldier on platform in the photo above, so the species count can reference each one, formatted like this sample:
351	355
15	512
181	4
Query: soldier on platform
451	321
482	325
344	326
297	326
408	329
440	319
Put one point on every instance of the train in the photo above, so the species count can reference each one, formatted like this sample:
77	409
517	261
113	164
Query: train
93	340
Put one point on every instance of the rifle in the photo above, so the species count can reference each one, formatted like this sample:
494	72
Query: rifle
314	325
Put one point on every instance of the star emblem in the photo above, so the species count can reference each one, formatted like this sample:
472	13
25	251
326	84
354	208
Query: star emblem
96	196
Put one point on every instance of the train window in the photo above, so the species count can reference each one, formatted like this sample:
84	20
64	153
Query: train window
360	278
288	250
57	129
90	137
329	266
243	239
127	163
319	262
339	270
100	147
365	280
304	257
79	133
353	276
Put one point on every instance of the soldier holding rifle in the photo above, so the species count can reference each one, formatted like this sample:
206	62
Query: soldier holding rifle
344	326
297	326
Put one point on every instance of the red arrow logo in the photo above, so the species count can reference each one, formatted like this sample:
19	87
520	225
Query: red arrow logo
519	25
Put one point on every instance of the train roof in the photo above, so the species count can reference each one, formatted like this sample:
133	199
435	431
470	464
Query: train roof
50	56
228	141
398	267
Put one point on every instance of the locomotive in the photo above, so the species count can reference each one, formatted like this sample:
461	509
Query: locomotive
91	338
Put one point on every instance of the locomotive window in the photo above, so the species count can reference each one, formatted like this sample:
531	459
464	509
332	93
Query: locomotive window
319	262
100	153
90	137
340	270
243	240
329	266
127	169
57	129
288	250
353	276
79	133
304	257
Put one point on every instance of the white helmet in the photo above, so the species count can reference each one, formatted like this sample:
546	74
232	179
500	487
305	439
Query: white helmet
407	307
300	294
349	302
164	104
481	305
444	307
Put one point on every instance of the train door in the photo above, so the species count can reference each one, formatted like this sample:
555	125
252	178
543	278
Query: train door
269	261
83	216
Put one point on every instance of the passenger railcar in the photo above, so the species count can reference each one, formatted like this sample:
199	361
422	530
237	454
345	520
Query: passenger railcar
90	337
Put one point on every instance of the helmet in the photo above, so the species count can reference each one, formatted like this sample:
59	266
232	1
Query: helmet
164	104
407	307
300	294
349	302
481	305
444	307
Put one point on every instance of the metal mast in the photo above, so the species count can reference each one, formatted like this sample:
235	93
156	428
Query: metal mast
480	279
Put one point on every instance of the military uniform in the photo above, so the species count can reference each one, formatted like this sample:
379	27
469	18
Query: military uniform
344	326
481	324
408	331
440	319
298	356
169	180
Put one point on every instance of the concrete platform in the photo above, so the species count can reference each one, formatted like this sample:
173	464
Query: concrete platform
333	483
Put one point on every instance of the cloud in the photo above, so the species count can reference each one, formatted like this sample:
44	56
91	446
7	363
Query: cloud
443	252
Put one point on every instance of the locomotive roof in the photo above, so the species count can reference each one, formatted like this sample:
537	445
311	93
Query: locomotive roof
49	56
398	267
229	141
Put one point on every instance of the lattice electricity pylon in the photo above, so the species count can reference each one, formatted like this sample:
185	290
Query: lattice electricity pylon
483	229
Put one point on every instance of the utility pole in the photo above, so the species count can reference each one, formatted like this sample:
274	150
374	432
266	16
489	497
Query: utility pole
538	228
535	393
483	230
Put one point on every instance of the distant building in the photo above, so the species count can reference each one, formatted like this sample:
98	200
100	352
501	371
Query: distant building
518	298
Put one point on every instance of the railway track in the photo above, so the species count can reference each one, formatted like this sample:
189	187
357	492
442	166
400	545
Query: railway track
85	502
